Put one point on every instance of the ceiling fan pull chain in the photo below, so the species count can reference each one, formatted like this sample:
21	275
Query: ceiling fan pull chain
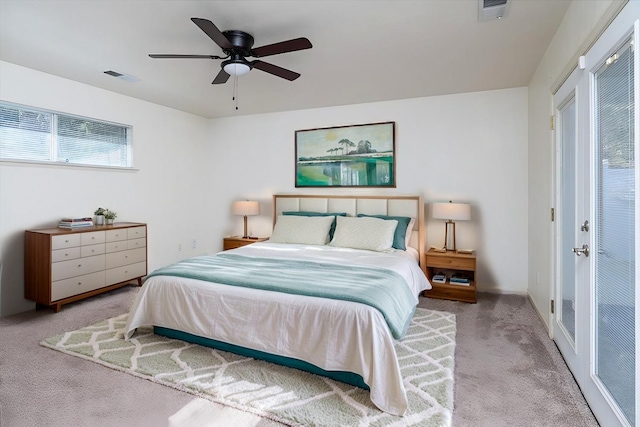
235	90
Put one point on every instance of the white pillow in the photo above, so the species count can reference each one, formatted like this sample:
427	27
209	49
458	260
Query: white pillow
409	230
304	230
373	234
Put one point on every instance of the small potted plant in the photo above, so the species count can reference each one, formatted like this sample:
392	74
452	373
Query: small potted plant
109	216
99	213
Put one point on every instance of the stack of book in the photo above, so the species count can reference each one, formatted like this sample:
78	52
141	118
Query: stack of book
439	278
458	280
74	223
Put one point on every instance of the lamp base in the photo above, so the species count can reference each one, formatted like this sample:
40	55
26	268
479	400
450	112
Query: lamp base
450	239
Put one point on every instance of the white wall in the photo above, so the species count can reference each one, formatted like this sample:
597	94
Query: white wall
468	148
579	22
166	191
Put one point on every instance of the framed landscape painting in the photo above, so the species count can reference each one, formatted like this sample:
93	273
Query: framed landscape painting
346	156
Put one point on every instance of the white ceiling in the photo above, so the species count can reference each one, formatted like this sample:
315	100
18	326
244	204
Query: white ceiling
363	51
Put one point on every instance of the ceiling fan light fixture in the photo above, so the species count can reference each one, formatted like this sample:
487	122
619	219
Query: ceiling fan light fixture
236	68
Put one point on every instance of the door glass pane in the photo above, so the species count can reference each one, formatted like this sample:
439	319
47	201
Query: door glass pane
567	314
615	237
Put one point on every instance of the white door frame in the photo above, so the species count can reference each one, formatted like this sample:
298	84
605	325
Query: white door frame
598	398
569	89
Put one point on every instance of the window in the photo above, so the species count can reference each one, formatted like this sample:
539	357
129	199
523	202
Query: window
30	134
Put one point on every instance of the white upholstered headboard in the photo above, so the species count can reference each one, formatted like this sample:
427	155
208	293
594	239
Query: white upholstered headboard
411	206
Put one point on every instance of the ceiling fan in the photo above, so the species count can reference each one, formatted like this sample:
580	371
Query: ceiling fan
237	45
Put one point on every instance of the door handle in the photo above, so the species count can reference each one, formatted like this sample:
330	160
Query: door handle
583	250
585	226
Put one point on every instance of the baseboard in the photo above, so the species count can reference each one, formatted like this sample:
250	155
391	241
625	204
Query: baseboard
503	291
535	307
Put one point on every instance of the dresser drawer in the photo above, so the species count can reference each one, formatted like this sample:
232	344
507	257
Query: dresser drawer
127	272
132	256
65	241
116	235
65	254
92	250
76	267
77	285
116	246
92	238
454	263
136	232
136	243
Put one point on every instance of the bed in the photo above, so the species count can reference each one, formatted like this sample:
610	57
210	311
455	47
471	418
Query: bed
256	300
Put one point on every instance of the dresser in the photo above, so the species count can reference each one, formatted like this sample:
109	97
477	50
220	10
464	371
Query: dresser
62	266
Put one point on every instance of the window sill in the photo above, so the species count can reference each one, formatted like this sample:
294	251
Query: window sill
28	163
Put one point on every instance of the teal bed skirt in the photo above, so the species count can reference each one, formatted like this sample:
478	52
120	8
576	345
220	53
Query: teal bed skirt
342	376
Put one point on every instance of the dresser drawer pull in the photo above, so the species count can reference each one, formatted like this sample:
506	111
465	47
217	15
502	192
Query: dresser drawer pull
79	283
126	256
66	254
79	265
66	241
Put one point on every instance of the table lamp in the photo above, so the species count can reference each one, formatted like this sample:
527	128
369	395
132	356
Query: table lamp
246	208
451	211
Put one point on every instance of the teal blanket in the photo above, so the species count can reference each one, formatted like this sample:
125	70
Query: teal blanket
383	289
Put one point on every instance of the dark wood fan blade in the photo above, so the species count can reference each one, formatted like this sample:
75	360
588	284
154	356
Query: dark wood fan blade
221	78
282	47
172	56
275	70
213	32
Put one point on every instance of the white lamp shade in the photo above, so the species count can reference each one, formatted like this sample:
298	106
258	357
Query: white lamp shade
245	208
452	211
236	69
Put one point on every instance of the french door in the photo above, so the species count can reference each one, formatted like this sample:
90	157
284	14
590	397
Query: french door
597	243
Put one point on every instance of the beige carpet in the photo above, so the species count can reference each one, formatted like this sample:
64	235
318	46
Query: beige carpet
507	373
283	394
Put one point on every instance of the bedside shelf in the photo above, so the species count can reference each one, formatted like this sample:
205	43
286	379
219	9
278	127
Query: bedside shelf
451	263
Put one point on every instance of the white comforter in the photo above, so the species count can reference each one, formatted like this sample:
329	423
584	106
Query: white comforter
331	334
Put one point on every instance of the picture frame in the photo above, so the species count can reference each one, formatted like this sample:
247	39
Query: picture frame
361	155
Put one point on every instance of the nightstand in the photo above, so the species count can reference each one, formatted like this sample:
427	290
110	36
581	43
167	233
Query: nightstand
236	242
451	263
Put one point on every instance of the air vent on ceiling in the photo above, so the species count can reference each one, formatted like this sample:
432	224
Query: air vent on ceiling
121	76
114	73
492	9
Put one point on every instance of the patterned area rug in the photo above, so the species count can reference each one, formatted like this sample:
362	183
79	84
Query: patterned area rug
283	394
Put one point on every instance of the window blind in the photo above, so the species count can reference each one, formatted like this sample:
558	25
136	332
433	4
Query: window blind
615	238
37	135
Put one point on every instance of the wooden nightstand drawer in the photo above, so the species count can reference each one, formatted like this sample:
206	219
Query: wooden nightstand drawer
449	262
452	292
236	242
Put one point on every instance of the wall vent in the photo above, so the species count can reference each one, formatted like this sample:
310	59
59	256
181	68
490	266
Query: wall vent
492	9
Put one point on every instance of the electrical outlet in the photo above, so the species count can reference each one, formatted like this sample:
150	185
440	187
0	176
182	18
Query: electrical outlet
179	247
193	244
